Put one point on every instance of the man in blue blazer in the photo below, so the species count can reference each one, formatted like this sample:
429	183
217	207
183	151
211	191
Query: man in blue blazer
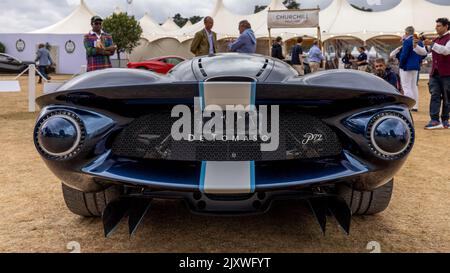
410	63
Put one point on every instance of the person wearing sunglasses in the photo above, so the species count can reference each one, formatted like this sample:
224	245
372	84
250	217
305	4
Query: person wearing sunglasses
99	46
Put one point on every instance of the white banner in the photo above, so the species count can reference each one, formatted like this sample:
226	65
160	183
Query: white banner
51	87
9	86
308	18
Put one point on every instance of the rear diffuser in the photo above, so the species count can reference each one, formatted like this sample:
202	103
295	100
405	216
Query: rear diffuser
136	207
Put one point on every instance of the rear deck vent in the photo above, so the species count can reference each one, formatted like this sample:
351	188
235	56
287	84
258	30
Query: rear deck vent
200	66
231	79
266	63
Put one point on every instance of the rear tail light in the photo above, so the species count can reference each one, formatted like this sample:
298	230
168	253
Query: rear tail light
59	135
391	135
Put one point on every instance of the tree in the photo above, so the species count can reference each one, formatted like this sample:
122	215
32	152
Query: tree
195	19
259	8
362	8
2	48
291	4
179	20
125	30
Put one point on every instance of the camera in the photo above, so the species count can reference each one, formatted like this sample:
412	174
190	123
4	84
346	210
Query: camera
420	36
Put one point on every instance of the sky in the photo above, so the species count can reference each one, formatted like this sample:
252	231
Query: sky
29	15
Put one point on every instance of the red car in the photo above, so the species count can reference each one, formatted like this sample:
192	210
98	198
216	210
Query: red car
160	65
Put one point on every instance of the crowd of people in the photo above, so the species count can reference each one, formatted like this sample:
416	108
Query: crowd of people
410	55
99	47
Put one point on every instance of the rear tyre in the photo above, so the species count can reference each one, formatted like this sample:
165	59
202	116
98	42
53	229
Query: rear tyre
367	202
89	204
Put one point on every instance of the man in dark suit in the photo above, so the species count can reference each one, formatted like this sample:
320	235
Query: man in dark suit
205	41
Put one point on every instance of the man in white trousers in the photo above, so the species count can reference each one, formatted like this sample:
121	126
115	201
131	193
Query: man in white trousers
410	63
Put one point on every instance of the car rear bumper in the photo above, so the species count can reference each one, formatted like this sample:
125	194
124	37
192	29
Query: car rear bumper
186	176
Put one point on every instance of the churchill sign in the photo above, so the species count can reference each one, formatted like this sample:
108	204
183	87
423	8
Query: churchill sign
307	18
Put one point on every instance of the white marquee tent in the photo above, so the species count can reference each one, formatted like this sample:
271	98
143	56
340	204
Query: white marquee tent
187	25
170	25
338	20
76	23
69	30
365	25
150	26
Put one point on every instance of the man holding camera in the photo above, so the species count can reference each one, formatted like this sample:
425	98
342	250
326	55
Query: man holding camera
440	73
99	46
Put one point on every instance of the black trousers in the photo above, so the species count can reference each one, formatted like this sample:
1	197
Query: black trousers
440	94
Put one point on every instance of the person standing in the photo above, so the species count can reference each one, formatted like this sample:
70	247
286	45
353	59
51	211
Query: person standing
45	60
277	49
297	57
395	54
246	43
361	61
409	67
394	58
99	46
440	74
347	60
205	41
315	57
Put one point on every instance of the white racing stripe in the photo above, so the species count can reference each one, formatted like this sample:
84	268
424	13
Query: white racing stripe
227	93
227	177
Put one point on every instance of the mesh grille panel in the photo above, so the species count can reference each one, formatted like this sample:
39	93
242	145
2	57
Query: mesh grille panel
301	137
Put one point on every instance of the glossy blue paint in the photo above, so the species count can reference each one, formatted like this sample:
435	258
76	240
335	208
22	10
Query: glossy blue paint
345	100
180	176
252	177
186	175
253	94
189	175
201	88
202	176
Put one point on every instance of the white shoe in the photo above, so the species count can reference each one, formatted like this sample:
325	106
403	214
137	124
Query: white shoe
434	125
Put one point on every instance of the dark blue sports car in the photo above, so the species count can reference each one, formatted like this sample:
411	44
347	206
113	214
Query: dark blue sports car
229	134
